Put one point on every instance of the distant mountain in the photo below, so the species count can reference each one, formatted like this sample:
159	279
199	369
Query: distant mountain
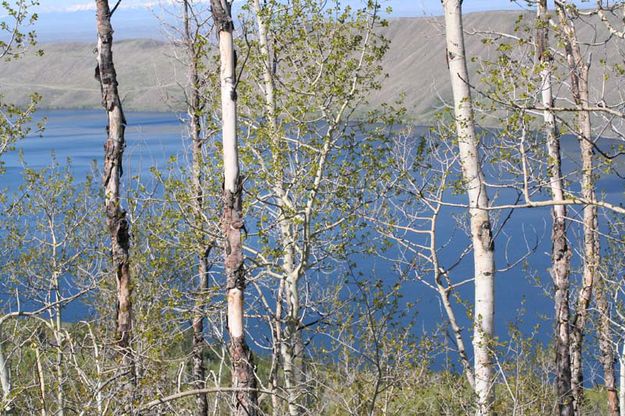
149	74
64	76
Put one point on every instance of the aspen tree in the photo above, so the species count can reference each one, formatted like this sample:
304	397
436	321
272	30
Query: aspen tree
560	252
578	71
314	63
195	104
117	223
608	359
481	233
243	376
268	77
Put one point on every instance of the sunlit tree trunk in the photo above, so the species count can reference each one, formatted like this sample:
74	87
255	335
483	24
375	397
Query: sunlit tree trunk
608	358
578	70
57	326
481	233
194	109
621	392
608	353
290	346
41	382
117	222
5	380
560	250
246	401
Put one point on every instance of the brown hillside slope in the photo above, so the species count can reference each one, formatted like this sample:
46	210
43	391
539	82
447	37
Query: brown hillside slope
149	74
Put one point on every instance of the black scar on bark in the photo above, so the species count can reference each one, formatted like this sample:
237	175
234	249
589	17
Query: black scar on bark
486	236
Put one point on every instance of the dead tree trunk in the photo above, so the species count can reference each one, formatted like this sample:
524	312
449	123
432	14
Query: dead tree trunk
113	155
560	250
578	70
194	109
245	400
481	234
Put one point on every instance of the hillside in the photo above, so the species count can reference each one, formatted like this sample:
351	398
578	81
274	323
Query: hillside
149	74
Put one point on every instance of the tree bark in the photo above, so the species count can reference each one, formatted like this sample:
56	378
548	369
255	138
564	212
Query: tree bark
608	357
560	250
5	380
194	108
58	335
293	351
245	401
290	347
615	404
481	233
41	382
621	392
578	70
117	222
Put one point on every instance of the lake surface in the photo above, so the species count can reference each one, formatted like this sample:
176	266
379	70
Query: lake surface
80	134
153	137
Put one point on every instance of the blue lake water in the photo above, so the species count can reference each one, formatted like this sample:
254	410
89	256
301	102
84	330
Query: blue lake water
153	137
80	134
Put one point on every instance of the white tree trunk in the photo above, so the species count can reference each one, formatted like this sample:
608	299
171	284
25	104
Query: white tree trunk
5	379
561	251
202	246
578	70
41	381
229	111
243	376
481	233
621	392
58	336
289	347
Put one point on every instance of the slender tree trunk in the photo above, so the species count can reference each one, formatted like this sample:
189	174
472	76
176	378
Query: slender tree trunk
58	335
291	346
194	108
276	352
5	380
608	358
616	402
560	250
621	392
579	88
116	217
41	381
98	368
246	402
293	351
608	353
481	233
199	369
